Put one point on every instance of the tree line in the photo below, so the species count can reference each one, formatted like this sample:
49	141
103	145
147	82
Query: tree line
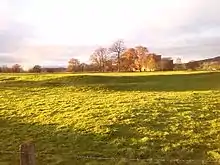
118	58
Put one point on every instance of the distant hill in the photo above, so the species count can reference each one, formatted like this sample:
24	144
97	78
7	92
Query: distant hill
215	59
206	64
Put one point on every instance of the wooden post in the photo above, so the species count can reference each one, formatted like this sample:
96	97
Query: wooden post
27	156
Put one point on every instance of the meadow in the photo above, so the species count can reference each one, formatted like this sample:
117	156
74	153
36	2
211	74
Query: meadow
112	118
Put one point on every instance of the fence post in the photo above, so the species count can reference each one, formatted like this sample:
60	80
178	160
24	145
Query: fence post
27	154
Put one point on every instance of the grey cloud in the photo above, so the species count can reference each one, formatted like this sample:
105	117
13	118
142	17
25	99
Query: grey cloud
206	16
186	39
50	55
197	38
194	49
13	37
8	59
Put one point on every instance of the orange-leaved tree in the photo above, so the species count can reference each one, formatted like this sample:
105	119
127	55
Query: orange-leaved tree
128	59
142	53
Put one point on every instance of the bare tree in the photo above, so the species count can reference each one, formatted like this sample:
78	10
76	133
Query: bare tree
16	68
100	58
73	65
83	66
118	48
6	69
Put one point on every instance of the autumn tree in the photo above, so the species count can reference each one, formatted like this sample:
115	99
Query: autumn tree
214	65
100	58
128	59
73	65
118	48
151	62
141	53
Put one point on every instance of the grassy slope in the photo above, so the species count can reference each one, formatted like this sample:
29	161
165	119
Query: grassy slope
166	115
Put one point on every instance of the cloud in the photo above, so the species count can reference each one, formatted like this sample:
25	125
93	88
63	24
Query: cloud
194	37
190	29
6	59
194	49
13	33
50	55
13	37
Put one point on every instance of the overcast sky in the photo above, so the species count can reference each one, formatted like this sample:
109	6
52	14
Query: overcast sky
50	32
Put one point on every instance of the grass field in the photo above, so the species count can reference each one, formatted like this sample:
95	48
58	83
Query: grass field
170	115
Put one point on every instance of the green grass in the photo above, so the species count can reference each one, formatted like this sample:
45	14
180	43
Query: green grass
169	115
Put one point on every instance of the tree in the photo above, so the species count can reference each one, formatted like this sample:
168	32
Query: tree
192	65
73	65
36	69
141	53
91	68
212	66
83	67
6	69
151	62
118	48
16	68
128	59
100	58
110	65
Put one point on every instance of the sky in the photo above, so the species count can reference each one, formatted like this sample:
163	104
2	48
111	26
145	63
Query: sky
50	32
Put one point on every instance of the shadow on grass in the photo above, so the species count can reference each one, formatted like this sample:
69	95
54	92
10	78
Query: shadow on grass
184	82
60	146
54	145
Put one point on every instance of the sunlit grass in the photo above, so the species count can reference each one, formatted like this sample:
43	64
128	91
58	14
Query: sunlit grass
163	115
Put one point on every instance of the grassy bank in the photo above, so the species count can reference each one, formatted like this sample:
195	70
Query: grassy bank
163	115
